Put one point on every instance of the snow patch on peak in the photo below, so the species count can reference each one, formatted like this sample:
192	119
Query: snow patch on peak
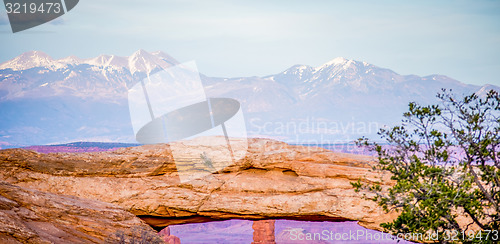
98	61
298	67
29	60
339	61
117	61
161	54
70	60
36	54
140	52
165	57
143	61
336	61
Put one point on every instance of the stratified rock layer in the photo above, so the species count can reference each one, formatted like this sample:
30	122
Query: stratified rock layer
273	180
31	216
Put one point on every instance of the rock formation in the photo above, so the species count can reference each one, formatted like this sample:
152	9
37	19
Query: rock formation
263	232
273	180
31	216
168	238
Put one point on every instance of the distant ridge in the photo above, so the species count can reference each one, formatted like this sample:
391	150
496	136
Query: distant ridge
139	61
46	101
81	147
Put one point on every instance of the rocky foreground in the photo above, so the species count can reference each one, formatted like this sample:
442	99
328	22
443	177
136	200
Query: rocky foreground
31	216
273	180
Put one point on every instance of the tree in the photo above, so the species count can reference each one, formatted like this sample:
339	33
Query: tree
444	160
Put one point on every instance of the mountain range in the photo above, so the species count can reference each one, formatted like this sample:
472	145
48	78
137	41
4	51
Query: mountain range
45	100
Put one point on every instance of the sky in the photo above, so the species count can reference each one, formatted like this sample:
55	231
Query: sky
233	38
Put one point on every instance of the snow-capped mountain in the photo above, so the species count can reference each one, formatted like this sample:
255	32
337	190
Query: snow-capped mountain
140	61
35	74
335	91
44	100
351	76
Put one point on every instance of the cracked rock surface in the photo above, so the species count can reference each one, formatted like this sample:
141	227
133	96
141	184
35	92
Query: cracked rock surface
272	180
31	216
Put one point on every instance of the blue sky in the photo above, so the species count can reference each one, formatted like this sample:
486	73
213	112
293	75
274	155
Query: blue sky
460	39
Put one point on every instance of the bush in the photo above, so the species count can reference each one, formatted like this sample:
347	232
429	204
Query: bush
444	160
